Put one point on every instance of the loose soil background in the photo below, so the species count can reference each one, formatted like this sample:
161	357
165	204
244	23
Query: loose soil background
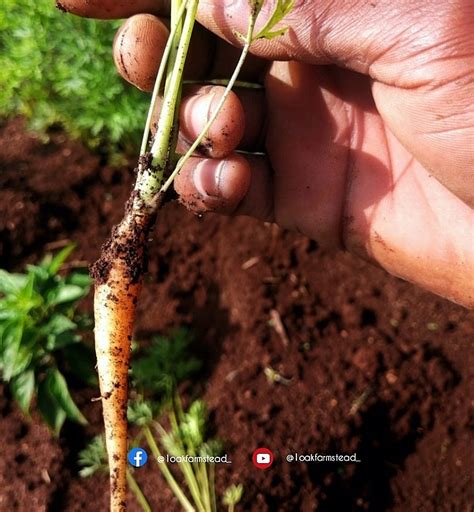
376	365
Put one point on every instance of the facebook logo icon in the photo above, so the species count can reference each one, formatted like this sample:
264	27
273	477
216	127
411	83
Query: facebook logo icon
137	457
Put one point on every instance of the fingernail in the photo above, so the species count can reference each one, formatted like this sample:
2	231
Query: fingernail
208	178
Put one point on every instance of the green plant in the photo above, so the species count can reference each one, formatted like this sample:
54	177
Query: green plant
155	374
93	458
39	333
187	438
57	69
232	496
158	368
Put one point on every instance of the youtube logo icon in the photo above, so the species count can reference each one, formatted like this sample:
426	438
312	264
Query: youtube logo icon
262	458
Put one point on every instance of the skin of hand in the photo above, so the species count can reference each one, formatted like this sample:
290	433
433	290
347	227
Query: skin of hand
366	122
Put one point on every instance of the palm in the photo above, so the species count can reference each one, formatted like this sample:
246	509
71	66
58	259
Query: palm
340	176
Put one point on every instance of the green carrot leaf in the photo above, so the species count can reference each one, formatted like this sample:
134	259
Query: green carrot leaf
93	458
282	8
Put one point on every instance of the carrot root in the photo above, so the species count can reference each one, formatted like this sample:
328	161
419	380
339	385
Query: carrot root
118	276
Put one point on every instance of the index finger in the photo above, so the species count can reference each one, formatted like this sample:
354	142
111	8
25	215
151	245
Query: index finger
112	9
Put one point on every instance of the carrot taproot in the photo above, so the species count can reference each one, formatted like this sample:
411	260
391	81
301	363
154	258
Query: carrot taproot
118	278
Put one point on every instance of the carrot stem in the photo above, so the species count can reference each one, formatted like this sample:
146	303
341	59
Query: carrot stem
185	503
138	492
229	86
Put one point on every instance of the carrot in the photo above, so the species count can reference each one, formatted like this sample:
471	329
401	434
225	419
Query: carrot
119	270
118	277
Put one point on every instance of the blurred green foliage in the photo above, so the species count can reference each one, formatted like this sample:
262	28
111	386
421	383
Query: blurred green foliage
56	68
39	333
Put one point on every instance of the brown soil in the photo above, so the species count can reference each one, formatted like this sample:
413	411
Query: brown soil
375	365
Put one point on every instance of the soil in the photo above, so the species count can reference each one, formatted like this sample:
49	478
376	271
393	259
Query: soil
370	364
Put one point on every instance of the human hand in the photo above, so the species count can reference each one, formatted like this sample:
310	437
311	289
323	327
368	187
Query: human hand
372	151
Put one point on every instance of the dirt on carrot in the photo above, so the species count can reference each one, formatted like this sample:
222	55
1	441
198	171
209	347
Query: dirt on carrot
118	277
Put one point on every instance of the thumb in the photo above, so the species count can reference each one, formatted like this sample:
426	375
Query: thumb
353	34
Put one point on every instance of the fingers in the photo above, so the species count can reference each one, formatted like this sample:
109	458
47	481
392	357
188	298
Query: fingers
145	36
113	9
239	124
235	185
206	184
419	54
139	45
227	129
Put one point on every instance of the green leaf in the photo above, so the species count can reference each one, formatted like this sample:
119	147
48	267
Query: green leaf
10	344
171	443
193	425
93	458
282	8
80	361
11	283
165	363
65	293
23	387
140	412
60	258
58	389
26	296
79	279
212	448
50	409
40	273
23	360
232	495
59	324
59	332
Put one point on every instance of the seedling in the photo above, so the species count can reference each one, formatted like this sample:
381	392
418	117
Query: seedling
93	460
38	330
119	271
158	368
232	496
187	435
156	372
155	375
